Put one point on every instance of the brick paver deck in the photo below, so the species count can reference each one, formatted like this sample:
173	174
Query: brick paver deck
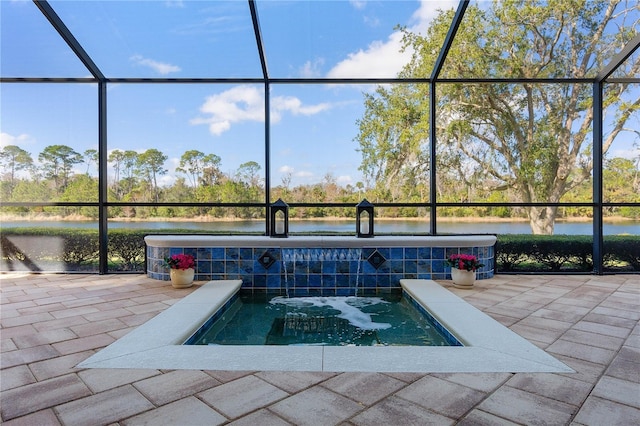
50	323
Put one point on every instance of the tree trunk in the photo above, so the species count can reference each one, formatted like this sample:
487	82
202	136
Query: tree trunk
542	219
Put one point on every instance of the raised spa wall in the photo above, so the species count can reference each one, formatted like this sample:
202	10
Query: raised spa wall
318	265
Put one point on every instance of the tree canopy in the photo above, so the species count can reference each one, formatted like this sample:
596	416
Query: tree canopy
529	137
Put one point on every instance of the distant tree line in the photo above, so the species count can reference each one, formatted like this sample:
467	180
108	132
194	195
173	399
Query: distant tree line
135	178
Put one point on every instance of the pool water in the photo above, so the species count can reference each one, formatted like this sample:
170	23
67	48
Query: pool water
252	319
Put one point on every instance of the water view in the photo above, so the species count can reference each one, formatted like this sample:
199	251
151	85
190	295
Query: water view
345	226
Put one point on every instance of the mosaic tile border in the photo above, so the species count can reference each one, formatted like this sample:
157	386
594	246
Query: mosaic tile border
318	271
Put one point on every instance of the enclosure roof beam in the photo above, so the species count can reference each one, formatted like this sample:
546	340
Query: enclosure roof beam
617	60
68	37
258	34
448	40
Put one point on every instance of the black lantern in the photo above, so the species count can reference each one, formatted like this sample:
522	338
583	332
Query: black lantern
279	219
364	219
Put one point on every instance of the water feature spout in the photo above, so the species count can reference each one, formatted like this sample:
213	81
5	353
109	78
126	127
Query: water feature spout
286	255
312	269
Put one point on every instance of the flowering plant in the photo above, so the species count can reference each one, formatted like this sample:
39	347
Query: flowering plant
468	262
180	261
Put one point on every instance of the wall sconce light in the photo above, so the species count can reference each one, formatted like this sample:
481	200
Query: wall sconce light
279	219
364	219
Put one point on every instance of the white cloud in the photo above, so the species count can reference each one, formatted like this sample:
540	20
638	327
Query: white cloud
166	180
159	67
378	60
358	4
246	103
383	58
303	177
298	177
628	153
238	104
174	3
311	69
20	140
344	180
173	163
427	11
371	21
286	169
294	106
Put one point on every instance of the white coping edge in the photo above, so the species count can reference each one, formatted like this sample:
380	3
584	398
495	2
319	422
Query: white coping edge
491	347
319	241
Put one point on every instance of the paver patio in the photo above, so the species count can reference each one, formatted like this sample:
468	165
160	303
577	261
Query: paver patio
51	322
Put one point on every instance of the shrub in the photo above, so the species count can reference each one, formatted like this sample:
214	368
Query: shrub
554	253
511	251
559	252
126	249
75	249
72	249
81	246
621	249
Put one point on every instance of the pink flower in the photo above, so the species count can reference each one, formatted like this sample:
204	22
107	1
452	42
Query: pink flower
180	261
464	261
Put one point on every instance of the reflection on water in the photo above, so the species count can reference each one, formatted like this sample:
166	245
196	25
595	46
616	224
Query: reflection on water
345	226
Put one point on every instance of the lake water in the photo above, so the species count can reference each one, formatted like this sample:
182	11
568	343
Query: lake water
341	226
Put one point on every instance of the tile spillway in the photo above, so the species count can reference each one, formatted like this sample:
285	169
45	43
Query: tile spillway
318	265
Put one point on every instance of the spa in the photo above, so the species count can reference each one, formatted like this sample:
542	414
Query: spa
324	267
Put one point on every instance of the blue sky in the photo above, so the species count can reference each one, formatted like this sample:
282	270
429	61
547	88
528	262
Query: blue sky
313	126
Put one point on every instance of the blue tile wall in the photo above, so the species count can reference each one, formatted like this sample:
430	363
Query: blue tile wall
317	271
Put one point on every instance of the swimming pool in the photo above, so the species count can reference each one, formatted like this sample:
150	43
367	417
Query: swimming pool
259	319
488	345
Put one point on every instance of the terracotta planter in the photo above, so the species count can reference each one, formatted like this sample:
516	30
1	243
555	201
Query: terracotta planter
462	278
182	278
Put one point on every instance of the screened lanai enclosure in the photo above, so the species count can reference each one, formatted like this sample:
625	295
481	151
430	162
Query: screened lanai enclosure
519	118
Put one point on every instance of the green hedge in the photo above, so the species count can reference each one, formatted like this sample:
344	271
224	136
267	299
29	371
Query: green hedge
621	249
66	249
126	249
54	249
565	253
